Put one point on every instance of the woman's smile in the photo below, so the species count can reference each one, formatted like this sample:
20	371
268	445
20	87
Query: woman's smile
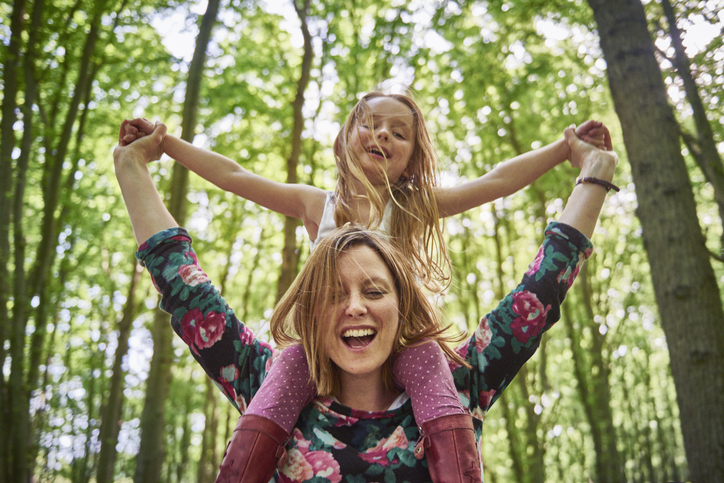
358	338
363	320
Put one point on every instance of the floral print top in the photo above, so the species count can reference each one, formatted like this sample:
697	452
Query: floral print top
331	442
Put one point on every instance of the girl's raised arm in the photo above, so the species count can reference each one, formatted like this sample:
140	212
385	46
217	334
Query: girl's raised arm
515	174
296	200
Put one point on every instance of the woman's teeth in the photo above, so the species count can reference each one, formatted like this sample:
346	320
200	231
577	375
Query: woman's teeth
358	332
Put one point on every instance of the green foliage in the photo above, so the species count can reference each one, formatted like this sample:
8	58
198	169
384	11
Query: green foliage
495	79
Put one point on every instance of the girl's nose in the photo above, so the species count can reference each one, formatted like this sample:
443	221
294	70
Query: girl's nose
382	134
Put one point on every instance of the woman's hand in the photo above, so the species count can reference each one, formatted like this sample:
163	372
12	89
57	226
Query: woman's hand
149	142
594	133
594	158
134	129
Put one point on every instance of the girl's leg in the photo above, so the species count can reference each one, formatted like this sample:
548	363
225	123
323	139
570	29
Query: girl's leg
286	390
423	372
446	426
260	436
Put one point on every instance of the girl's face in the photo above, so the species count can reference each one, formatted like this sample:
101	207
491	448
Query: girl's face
360	326
384	141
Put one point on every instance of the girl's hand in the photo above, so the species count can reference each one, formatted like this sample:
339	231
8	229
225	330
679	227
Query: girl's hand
593	161
594	133
147	147
134	129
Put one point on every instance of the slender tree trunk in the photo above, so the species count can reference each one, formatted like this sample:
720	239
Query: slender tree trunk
208	463
8	423
111	417
152	448
290	256
592	378
702	146
532	447
608	461
686	290
509	414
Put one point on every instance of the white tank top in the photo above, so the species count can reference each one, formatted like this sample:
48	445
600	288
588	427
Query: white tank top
326	224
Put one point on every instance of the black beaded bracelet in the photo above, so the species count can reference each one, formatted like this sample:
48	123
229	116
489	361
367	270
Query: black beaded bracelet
606	184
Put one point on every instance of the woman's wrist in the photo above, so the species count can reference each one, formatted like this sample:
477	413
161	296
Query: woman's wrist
601	165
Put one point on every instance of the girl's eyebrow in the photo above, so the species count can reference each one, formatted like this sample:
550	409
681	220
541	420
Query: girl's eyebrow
396	121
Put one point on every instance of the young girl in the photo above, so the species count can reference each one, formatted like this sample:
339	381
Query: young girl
387	179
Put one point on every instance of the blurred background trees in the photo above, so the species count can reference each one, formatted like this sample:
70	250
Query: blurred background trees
636	356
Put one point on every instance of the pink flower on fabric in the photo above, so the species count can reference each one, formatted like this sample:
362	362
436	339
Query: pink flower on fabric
569	276
189	322
532	316
535	265
201	332
483	335
192	274
210	330
246	336
378	454
303	465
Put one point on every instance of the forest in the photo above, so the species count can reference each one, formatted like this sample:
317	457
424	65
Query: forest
627	386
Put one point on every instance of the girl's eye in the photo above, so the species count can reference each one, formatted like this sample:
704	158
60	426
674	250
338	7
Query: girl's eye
399	135
375	293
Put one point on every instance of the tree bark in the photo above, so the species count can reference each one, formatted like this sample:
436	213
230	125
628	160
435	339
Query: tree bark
7	144
290	255
686	290
152	448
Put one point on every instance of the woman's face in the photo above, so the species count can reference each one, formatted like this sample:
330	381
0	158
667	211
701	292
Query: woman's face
384	143
361	323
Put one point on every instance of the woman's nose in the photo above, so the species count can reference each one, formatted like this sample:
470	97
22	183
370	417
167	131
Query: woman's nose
355	306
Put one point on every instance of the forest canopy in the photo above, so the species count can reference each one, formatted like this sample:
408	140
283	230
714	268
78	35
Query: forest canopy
268	84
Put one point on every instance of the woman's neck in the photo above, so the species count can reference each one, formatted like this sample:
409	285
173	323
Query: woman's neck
366	393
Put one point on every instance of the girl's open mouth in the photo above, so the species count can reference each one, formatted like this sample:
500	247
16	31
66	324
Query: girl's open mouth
358	338
377	152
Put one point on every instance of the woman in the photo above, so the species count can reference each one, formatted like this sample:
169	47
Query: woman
353	306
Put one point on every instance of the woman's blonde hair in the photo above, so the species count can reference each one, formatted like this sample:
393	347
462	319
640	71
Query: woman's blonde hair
297	316
415	224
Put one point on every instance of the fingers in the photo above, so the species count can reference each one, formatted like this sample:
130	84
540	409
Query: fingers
595	133
134	129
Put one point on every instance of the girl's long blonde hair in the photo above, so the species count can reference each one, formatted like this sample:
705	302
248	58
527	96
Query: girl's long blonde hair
415	224
299	315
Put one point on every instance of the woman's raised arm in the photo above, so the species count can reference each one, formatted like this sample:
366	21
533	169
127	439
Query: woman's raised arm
585	203
145	208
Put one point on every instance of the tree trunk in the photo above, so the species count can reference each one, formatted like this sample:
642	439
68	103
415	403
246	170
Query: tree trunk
111	417
207	463
686	290
290	256
7	144
608	461
152	448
